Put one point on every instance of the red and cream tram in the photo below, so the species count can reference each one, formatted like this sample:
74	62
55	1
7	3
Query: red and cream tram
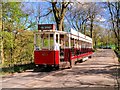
54	48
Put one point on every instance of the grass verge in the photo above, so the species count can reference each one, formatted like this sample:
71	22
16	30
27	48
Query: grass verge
16	68
118	54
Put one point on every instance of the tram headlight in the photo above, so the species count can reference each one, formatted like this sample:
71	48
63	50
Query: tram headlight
37	48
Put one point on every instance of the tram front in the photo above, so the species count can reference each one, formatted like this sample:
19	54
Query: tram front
47	48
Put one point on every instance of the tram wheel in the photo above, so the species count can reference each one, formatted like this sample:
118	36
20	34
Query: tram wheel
38	67
57	67
90	57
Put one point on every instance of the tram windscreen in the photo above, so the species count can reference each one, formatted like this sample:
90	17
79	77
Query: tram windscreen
47	41
44	41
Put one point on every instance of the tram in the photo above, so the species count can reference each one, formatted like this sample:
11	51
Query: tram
57	48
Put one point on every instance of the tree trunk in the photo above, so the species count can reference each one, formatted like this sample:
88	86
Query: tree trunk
85	28
59	25
115	24
118	23
118	43
1	44
2	52
95	43
91	28
59	14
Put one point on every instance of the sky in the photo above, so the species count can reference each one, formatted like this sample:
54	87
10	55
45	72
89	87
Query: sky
59	0
29	6
44	5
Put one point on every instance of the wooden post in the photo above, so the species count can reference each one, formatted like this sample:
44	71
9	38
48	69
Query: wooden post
69	41
54	38
49	40
59	39
34	41
64	41
40	40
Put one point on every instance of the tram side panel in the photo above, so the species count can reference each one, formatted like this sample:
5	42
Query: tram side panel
57	57
46	57
80	54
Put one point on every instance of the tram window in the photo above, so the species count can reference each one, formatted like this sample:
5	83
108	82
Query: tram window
38	42
51	42
62	42
56	38
47	41
72	51
66	44
66	41
72	43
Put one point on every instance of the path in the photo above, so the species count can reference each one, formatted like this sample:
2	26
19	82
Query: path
102	70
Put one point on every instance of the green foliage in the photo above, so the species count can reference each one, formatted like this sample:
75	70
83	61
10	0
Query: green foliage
17	42
19	49
12	16
8	40
119	59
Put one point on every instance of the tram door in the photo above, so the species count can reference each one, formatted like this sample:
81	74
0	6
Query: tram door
67	54
67	48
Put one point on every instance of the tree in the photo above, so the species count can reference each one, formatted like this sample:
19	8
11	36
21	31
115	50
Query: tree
97	31
77	16
1	38
10	19
114	10
13	24
59	10
83	15
93	11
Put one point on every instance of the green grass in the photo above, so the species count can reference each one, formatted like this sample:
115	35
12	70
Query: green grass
16	68
118	54
119	59
4	73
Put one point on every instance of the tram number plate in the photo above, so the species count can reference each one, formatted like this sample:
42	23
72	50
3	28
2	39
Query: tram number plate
44	54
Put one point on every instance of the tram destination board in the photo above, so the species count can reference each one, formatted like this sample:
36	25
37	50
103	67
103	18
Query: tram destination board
46	26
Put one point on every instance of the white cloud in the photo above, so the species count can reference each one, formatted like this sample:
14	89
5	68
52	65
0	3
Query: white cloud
100	18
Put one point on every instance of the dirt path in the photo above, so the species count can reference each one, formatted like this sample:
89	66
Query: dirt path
102	70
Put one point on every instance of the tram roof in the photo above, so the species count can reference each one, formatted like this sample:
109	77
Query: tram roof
73	34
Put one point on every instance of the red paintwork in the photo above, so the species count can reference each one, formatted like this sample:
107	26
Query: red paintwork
67	54
82	55
49	57
57	57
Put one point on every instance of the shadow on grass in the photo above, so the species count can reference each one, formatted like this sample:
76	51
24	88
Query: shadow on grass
117	54
17	68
